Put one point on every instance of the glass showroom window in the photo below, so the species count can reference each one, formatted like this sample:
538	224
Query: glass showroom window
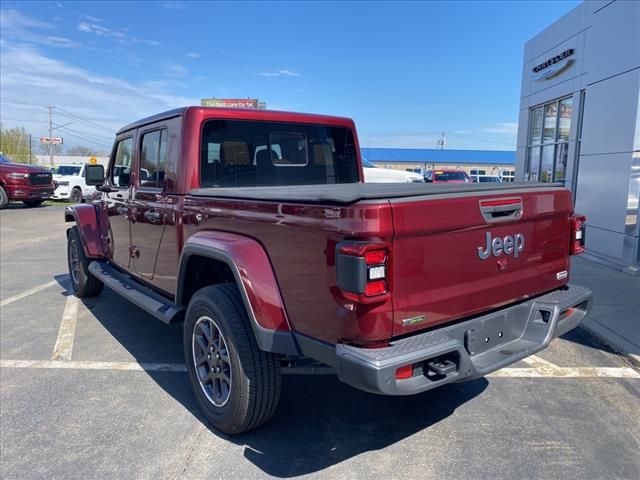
549	141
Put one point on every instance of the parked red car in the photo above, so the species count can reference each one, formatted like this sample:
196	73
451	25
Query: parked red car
24	183
255	229
447	176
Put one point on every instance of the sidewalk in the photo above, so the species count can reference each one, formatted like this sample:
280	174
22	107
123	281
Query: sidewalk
615	317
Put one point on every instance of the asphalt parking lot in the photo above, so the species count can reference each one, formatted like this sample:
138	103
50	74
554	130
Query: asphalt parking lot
97	389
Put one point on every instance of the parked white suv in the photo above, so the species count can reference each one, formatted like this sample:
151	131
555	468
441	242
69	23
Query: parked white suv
373	174
71	183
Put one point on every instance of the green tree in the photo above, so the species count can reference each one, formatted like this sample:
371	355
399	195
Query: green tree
15	143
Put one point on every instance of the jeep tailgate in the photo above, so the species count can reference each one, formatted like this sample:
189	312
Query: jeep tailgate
438	272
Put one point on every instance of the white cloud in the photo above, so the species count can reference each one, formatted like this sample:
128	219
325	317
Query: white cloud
15	25
99	30
31	80
280	73
177	71
174	5
192	54
120	35
504	128
90	18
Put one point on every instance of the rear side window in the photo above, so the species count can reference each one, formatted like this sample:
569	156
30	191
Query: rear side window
245	153
121	171
153	158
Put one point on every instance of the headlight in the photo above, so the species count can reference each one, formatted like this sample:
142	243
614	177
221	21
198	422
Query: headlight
63	183
18	176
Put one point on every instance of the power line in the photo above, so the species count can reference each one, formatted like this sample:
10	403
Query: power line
86	139
84	120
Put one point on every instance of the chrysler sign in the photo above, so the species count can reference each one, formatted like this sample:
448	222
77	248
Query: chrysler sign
553	66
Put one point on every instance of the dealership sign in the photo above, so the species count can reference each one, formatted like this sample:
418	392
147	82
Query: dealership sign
552	66
52	140
229	102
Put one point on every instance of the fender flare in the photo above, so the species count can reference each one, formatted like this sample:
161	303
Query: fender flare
86	218
256	282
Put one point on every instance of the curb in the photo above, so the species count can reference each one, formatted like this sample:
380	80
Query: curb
613	340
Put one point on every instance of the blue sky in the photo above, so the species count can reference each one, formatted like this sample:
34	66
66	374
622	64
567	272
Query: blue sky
403	71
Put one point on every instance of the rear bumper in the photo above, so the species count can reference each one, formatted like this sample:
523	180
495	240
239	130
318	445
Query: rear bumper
463	351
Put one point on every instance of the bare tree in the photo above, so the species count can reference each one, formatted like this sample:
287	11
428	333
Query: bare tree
81	151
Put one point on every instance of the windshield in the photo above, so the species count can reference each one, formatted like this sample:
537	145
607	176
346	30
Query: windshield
4	159
68	170
452	176
489	180
367	164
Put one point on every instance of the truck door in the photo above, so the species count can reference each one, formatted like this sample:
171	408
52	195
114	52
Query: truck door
151	207
118	201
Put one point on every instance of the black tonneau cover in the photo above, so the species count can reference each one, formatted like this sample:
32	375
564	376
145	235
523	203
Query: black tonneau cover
348	193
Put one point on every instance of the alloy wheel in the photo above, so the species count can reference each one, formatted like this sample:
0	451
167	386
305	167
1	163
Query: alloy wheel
211	361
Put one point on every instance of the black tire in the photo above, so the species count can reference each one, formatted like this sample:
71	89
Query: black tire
76	195
33	203
83	283
254	376
4	199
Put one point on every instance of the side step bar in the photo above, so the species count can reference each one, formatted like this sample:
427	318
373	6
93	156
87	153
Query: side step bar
151	302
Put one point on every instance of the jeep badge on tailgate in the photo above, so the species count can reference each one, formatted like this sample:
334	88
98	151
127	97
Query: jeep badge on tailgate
509	245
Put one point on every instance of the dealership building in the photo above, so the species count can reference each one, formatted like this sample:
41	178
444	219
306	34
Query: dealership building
579	121
474	162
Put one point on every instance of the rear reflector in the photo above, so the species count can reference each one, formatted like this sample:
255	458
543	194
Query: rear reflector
375	288
404	372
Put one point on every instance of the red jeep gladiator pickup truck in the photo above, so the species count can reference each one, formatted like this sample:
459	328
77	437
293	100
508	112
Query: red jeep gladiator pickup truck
255	229
24	183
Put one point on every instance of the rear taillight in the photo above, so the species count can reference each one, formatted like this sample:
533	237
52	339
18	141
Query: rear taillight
576	237
362	270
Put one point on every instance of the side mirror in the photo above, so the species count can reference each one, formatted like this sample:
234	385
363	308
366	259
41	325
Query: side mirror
94	175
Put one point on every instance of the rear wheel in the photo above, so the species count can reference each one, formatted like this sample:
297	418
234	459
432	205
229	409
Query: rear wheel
83	283
4	199
33	203
76	195
236	384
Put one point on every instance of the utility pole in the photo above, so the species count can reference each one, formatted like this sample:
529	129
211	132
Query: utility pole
50	136
443	141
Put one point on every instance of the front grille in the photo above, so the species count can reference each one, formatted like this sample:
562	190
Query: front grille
41	178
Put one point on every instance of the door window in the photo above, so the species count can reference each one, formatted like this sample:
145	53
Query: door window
121	171
153	158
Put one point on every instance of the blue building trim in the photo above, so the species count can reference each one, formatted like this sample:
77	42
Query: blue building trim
437	156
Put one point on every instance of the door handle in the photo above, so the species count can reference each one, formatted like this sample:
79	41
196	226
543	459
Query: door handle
152	215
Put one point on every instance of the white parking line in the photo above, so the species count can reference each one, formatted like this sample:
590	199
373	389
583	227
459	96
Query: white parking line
26	293
67	332
88	365
567	372
557	372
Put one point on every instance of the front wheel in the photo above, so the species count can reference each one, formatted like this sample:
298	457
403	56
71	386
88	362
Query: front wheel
76	195
4	199
236	384
83	283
